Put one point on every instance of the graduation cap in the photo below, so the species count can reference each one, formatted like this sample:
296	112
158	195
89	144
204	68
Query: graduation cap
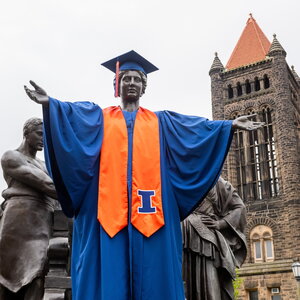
128	61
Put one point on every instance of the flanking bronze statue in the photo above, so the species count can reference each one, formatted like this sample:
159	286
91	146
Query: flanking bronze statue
214	244
25	225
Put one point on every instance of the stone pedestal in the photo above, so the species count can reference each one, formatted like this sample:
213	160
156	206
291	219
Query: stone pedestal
58	280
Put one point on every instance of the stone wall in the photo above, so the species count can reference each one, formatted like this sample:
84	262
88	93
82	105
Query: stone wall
266	278
280	213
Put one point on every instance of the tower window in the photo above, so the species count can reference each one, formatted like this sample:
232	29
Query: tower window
261	239
272	182
248	87
257	249
239	153
239	89
230	92
266	82
256	84
256	162
269	249
254	165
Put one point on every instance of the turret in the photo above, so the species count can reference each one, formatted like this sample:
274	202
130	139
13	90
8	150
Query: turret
217	88
276	48
295	75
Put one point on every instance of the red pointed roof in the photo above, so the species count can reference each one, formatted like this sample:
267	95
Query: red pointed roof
252	46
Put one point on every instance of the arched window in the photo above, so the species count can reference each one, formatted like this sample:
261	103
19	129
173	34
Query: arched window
256	161
271	178
262	248
230	92
257	248
239	89
256	84
268	246
266	81
248	87
238	147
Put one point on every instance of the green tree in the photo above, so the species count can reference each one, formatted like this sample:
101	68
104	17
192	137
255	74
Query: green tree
237	283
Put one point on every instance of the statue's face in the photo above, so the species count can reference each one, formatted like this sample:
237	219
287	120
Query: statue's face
131	86
35	138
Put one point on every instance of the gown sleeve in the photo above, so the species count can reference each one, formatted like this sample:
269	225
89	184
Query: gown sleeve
72	138
195	152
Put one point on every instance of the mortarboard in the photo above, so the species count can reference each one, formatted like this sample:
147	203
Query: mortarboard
129	61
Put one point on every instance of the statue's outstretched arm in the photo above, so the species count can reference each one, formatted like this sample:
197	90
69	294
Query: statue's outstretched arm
37	95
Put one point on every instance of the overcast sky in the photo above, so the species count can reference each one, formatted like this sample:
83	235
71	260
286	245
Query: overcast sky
61	44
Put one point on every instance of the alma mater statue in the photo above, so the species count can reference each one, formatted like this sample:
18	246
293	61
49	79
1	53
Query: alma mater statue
25	225
128	176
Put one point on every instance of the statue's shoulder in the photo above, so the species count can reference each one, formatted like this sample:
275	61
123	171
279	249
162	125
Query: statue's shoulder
12	158
11	154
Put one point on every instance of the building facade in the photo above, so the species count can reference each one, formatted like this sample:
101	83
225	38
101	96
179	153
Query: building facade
263	165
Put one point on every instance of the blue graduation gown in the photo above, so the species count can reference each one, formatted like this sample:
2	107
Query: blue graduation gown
130	266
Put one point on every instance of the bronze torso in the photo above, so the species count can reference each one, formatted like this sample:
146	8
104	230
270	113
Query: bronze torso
25	224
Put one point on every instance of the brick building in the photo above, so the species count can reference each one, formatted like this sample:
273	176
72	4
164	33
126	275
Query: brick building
263	165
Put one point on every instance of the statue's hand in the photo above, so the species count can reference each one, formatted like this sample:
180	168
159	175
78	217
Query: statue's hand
38	95
244	123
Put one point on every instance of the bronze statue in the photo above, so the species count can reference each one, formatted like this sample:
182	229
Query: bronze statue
26	221
214	244
102	239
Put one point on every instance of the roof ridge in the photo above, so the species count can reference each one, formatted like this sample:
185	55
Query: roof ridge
236	46
255	25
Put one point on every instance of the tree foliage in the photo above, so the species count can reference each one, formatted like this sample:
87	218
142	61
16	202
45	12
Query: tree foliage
237	283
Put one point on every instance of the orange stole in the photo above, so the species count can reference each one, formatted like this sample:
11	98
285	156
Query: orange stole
112	195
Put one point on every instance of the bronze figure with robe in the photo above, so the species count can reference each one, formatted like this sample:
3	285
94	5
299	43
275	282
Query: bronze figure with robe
214	244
